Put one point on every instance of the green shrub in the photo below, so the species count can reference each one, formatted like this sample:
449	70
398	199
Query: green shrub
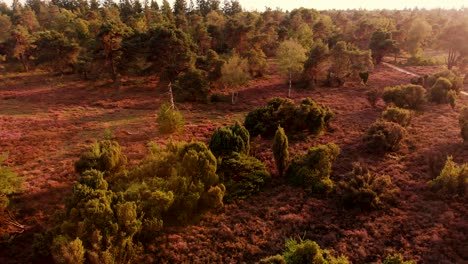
397	259
242	175
67	252
455	80
366	190
169	120
453	178
421	61
452	98
306	251
463	121
384	136
283	112
192	86
397	115
280	151
312	171
9	184
439	91
226	140
405	96
373	95
105	156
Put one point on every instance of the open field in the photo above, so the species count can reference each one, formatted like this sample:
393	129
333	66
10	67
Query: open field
46	122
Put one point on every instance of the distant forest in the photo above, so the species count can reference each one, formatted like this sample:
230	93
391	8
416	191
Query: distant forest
115	39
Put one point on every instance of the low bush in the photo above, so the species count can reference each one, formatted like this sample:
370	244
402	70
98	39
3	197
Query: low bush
405	96
397	259
169	120
455	80
463	121
293	118
366	190
422	61
242	175
384	136
226	140
105	156
304	251
397	115
10	183
453	178
373	96
439	92
312	171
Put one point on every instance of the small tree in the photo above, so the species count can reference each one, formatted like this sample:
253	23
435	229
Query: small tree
280	150
381	43
291	57
234	73
170	120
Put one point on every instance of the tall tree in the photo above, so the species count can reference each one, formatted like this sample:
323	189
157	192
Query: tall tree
418	32
316	59
280	150
234	73
291	57
381	43
180	7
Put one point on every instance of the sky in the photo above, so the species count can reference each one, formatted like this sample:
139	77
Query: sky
340	4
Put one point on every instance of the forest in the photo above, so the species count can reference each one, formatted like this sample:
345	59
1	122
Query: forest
203	132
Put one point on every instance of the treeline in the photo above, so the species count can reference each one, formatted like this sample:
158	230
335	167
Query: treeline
110	39
140	38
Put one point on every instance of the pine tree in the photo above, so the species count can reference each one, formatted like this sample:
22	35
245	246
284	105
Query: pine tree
280	150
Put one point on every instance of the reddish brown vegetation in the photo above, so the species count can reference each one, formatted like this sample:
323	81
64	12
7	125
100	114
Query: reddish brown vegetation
45	123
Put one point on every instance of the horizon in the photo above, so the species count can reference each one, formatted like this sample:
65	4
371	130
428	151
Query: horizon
338	4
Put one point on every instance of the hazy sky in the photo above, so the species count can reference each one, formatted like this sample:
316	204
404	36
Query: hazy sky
353	4
340	4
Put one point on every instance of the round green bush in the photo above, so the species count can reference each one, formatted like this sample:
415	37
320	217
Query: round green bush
384	136
105	156
169	120
405	96
397	115
226	140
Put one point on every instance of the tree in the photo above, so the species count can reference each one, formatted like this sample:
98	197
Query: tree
22	45
453	39
280	150
317	57
291	57
234	73
381	43
418	32
53	44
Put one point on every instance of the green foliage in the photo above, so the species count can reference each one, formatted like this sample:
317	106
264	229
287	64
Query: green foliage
421	61
283	112
68	252
169	120
452	98
373	95
397	115
257	61
439	91
405	96
105	156
384	136
463	121
397	259
381	43
9	183
316	60
455	80
234	138
192	86
312	171
242	175
234	73
304	251
453	178
291	57
280	151
365	189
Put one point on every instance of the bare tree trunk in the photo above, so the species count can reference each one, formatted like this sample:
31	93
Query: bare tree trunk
171	95
289	90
